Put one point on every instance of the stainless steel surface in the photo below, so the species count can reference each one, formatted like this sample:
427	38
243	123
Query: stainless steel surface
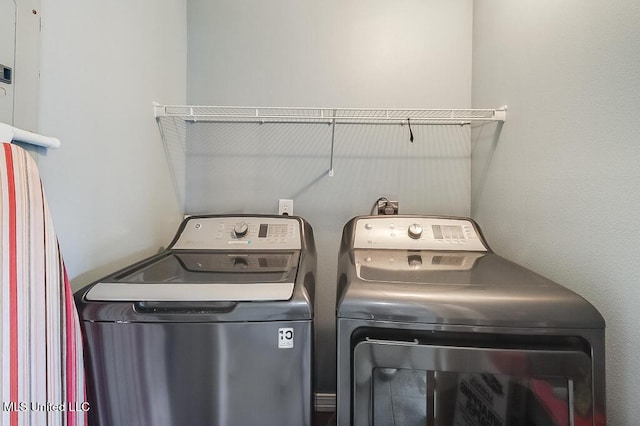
475	298
214	361
494	292
169	374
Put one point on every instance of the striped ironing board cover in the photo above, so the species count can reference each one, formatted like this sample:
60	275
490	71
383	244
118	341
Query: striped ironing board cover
42	364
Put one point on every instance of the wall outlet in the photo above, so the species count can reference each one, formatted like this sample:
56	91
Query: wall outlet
285	207
387	207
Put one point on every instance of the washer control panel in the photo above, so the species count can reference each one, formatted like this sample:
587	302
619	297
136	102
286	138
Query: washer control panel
417	233
240	232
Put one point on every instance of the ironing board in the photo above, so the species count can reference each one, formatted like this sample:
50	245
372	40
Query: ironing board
42	371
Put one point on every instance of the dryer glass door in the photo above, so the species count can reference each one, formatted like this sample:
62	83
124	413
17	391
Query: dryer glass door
409	383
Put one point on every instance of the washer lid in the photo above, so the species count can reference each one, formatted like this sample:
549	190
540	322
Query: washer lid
204	276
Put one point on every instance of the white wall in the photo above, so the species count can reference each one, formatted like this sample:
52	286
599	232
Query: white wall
559	191
108	186
362	53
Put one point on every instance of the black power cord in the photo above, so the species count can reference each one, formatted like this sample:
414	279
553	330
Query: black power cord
410	131
383	205
374	208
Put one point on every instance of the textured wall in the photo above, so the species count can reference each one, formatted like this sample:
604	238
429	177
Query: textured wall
558	191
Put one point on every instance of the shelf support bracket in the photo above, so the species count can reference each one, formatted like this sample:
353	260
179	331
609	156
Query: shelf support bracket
159	110
500	114
333	139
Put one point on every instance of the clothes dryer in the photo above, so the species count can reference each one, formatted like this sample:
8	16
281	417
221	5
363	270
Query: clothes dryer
435	329
215	330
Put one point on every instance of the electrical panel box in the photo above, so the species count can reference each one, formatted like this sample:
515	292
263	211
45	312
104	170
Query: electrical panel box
20	63
7	57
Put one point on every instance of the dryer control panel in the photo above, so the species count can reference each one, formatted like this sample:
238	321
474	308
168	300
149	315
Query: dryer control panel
417	233
239	232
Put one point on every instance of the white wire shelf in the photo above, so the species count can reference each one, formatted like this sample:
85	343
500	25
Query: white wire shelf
245	114
330	116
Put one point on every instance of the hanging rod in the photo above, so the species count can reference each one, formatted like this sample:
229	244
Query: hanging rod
9	133
243	114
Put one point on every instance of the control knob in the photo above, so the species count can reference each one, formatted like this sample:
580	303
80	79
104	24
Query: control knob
415	231
240	229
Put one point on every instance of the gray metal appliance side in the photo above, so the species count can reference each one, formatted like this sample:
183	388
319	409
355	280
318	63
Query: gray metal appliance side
227	374
352	331
299	307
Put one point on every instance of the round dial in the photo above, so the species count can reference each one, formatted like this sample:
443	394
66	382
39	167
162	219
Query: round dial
240	229
415	231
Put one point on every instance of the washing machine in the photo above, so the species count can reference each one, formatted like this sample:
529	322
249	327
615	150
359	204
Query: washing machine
433	328
214	330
